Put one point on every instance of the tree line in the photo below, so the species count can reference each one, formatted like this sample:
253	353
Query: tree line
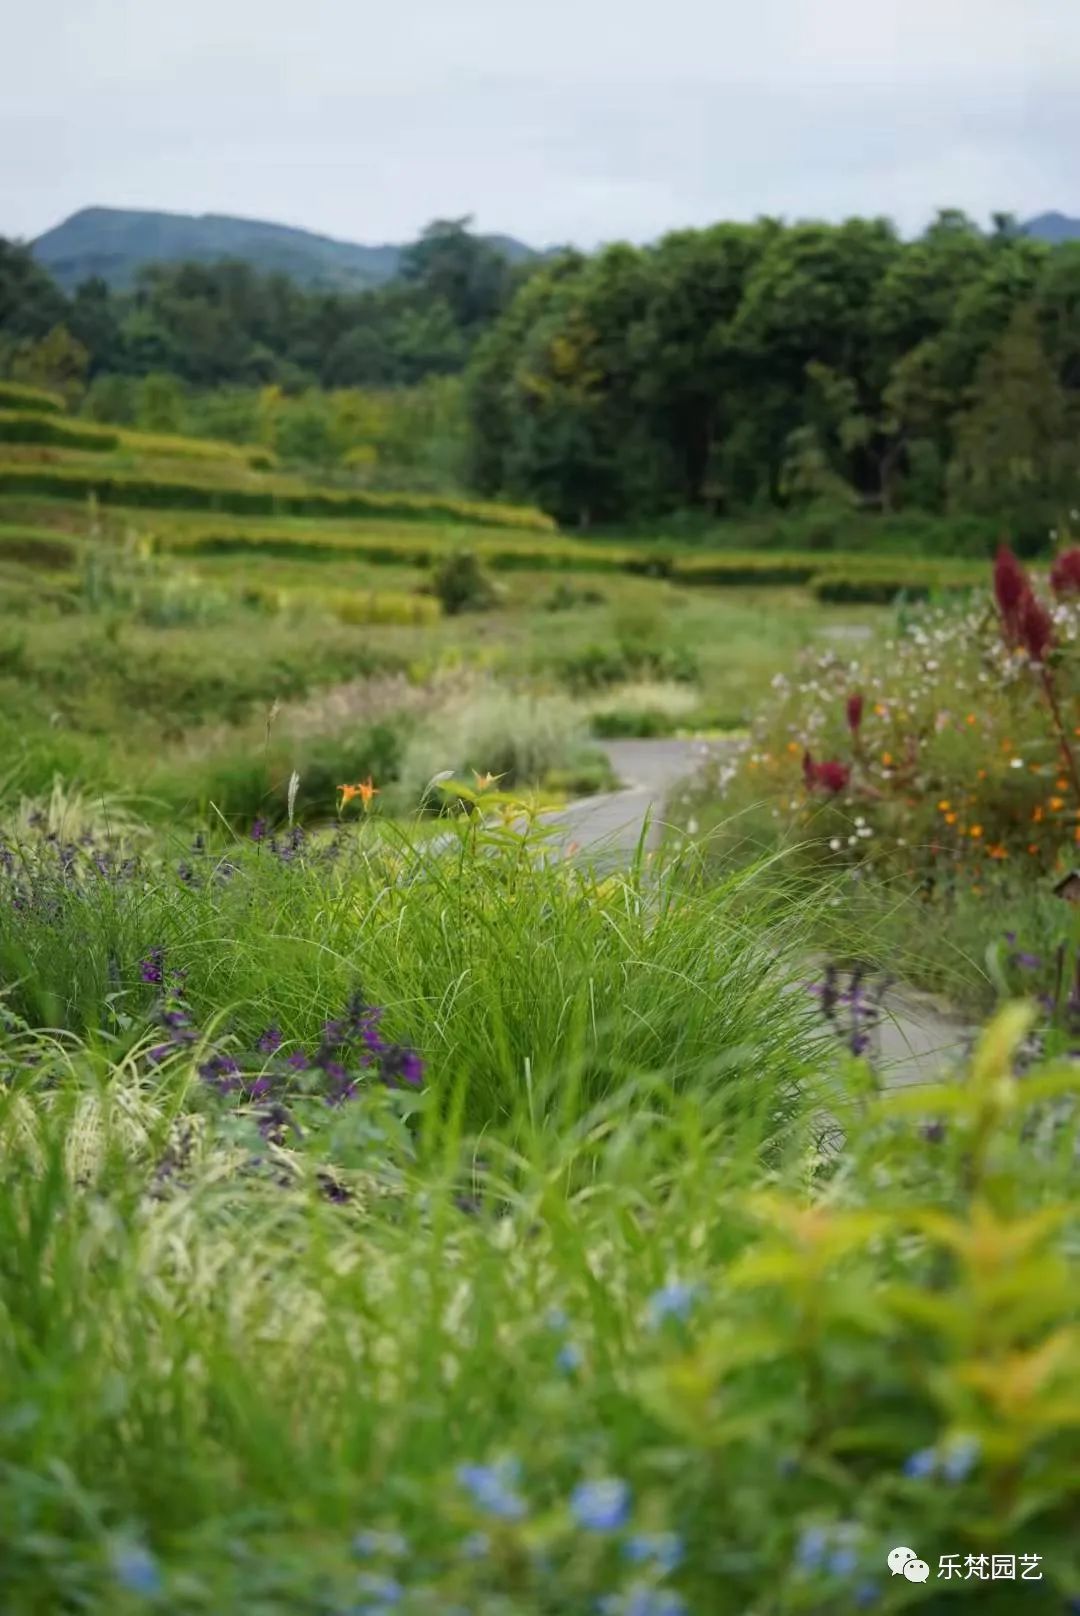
729	369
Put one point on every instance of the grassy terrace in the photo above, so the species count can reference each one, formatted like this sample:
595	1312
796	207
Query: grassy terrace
399	1218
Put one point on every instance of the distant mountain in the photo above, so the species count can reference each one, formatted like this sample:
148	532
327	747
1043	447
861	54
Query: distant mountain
115	242
1053	227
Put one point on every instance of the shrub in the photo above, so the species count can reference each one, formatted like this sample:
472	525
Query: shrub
596	667
646	708
520	738
460	584
564	597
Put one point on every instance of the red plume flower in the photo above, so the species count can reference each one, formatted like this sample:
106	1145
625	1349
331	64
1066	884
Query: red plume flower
1065	573
854	711
1035	627
831	776
1011	589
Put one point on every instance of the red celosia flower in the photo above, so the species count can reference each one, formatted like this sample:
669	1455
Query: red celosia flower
1035	627
1065	573
1011	589
854	711
831	776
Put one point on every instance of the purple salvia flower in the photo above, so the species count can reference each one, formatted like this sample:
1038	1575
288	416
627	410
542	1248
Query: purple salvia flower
151	969
269	1042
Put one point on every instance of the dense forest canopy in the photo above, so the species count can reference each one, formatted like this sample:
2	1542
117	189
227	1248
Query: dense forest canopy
726	369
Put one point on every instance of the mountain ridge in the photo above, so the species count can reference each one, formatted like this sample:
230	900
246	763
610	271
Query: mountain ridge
116	243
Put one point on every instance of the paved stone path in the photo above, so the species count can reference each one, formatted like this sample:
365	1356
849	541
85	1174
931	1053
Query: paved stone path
918	1036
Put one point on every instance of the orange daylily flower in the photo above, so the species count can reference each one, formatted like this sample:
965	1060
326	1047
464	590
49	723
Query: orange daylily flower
1056	804
1038	814
976	830
944	805
365	791
998	851
950	819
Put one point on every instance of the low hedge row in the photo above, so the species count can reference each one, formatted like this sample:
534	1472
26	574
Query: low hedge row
23	426
354	606
49	551
876	587
26	426
861	578
279	498
384	550
16	396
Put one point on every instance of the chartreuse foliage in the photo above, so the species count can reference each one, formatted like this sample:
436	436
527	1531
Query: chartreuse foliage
592	1316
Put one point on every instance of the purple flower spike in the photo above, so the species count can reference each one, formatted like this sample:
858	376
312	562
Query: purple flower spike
151	969
412	1068
258	830
269	1042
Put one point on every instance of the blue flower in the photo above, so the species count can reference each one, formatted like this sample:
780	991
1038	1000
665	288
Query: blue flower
866	1594
810	1550
641	1600
672	1301
842	1562
960	1458
601	1506
477	1546
922	1465
392	1544
569	1357
136	1569
661	1549
387	1590
492	1487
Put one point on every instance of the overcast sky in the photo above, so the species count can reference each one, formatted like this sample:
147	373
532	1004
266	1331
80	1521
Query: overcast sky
552	120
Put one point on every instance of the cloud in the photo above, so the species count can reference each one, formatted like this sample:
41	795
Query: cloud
578	120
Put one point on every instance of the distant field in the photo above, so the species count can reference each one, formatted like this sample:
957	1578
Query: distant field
389	539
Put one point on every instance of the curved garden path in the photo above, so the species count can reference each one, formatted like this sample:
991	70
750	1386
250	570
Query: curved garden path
918	1035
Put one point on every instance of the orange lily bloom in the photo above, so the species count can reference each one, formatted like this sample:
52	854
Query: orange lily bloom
365	791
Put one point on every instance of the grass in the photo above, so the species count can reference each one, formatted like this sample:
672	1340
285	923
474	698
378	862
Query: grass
639	1298
584	1252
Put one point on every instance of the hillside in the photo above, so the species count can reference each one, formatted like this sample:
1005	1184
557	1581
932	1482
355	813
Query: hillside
1053	227
115	242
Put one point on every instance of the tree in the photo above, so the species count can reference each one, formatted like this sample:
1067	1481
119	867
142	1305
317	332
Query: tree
451	265
56	361
1014	449
31	304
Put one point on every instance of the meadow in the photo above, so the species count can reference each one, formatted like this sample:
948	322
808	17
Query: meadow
399	1216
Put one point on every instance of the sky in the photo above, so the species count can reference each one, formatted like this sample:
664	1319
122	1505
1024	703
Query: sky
552	120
